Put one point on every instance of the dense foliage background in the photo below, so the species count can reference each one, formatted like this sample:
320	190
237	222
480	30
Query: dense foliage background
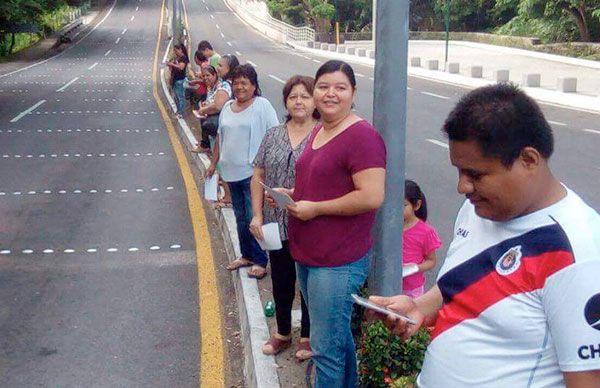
25	21
550	20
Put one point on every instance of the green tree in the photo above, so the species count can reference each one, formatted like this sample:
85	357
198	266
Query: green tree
559	19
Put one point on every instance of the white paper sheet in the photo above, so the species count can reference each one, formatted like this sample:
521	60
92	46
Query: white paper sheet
272	241
211	188
409	269
281	199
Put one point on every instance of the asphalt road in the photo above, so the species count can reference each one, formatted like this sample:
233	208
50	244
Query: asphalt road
98	276
577	133
98	281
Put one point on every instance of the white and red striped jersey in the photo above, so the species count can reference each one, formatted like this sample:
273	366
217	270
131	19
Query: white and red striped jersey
521	300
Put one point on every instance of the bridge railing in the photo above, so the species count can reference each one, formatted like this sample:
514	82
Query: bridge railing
257	14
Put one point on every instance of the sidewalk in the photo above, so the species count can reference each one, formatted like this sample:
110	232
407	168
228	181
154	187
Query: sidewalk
518	62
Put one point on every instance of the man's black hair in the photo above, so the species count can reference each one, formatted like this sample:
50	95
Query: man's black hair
503	120
204	45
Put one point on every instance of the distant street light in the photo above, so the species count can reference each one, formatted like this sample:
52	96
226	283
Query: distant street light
447	23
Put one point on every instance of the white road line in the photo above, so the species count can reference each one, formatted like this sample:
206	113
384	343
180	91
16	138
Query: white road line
359	75
276	78
239	54
371	78
557	123
106	54
25	112
437	142
212	17
218	26
117	41
435	95
133	17
67	84
316	61
592	131
252	63
229	44
94	65
206	6
222	35
124	31
137	8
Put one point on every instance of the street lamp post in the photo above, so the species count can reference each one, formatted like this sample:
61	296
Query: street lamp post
389	117
447	23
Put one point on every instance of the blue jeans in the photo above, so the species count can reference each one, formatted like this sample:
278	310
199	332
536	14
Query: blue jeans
179	95
242	208
327	292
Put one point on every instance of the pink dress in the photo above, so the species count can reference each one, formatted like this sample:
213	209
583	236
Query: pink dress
417	242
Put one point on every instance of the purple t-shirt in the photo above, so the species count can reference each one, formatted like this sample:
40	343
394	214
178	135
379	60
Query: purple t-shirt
325	174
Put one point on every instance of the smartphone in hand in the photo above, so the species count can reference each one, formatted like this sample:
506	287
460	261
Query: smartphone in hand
380	309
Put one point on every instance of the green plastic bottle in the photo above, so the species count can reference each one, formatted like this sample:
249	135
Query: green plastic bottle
269	309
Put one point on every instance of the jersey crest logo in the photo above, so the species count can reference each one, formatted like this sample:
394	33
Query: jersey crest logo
510	261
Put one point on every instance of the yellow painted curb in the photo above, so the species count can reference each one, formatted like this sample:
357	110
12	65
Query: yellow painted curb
211	326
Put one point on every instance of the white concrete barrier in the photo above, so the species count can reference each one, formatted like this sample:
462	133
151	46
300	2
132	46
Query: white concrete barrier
324	46
502	75
371	54
351	50
567	84
453	68
433	64
415	61
311	44
333	47
341	49
361	52
477	71
532	80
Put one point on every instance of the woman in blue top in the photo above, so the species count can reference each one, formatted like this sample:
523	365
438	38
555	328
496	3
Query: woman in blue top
243	123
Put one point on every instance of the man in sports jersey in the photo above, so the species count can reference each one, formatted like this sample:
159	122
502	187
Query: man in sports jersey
517	301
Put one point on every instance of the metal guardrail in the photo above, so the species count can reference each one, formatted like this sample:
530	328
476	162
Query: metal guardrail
252	9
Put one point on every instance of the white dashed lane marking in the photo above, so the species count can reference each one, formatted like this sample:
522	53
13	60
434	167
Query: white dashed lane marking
94	65
592	131
106	53
435	95
94	249
26	112
79	130
79	155
276	78
62	89
252	63
62	192
117	41
557	123
239	54
124	31
438	143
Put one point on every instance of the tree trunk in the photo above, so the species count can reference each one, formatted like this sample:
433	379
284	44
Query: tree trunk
578	14
12	43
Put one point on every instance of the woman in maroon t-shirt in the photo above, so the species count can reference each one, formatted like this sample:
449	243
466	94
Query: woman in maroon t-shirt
340	181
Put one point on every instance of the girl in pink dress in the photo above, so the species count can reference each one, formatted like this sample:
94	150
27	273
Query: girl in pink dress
419	240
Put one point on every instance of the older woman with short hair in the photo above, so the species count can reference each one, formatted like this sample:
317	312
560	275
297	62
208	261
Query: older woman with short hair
275	166
243	123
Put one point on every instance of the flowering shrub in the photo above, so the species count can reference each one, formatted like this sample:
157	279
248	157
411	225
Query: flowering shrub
387	361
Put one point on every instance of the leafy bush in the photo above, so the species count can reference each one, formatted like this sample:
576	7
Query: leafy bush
387	361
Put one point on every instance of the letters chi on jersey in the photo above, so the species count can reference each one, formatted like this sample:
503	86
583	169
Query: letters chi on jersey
521	300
